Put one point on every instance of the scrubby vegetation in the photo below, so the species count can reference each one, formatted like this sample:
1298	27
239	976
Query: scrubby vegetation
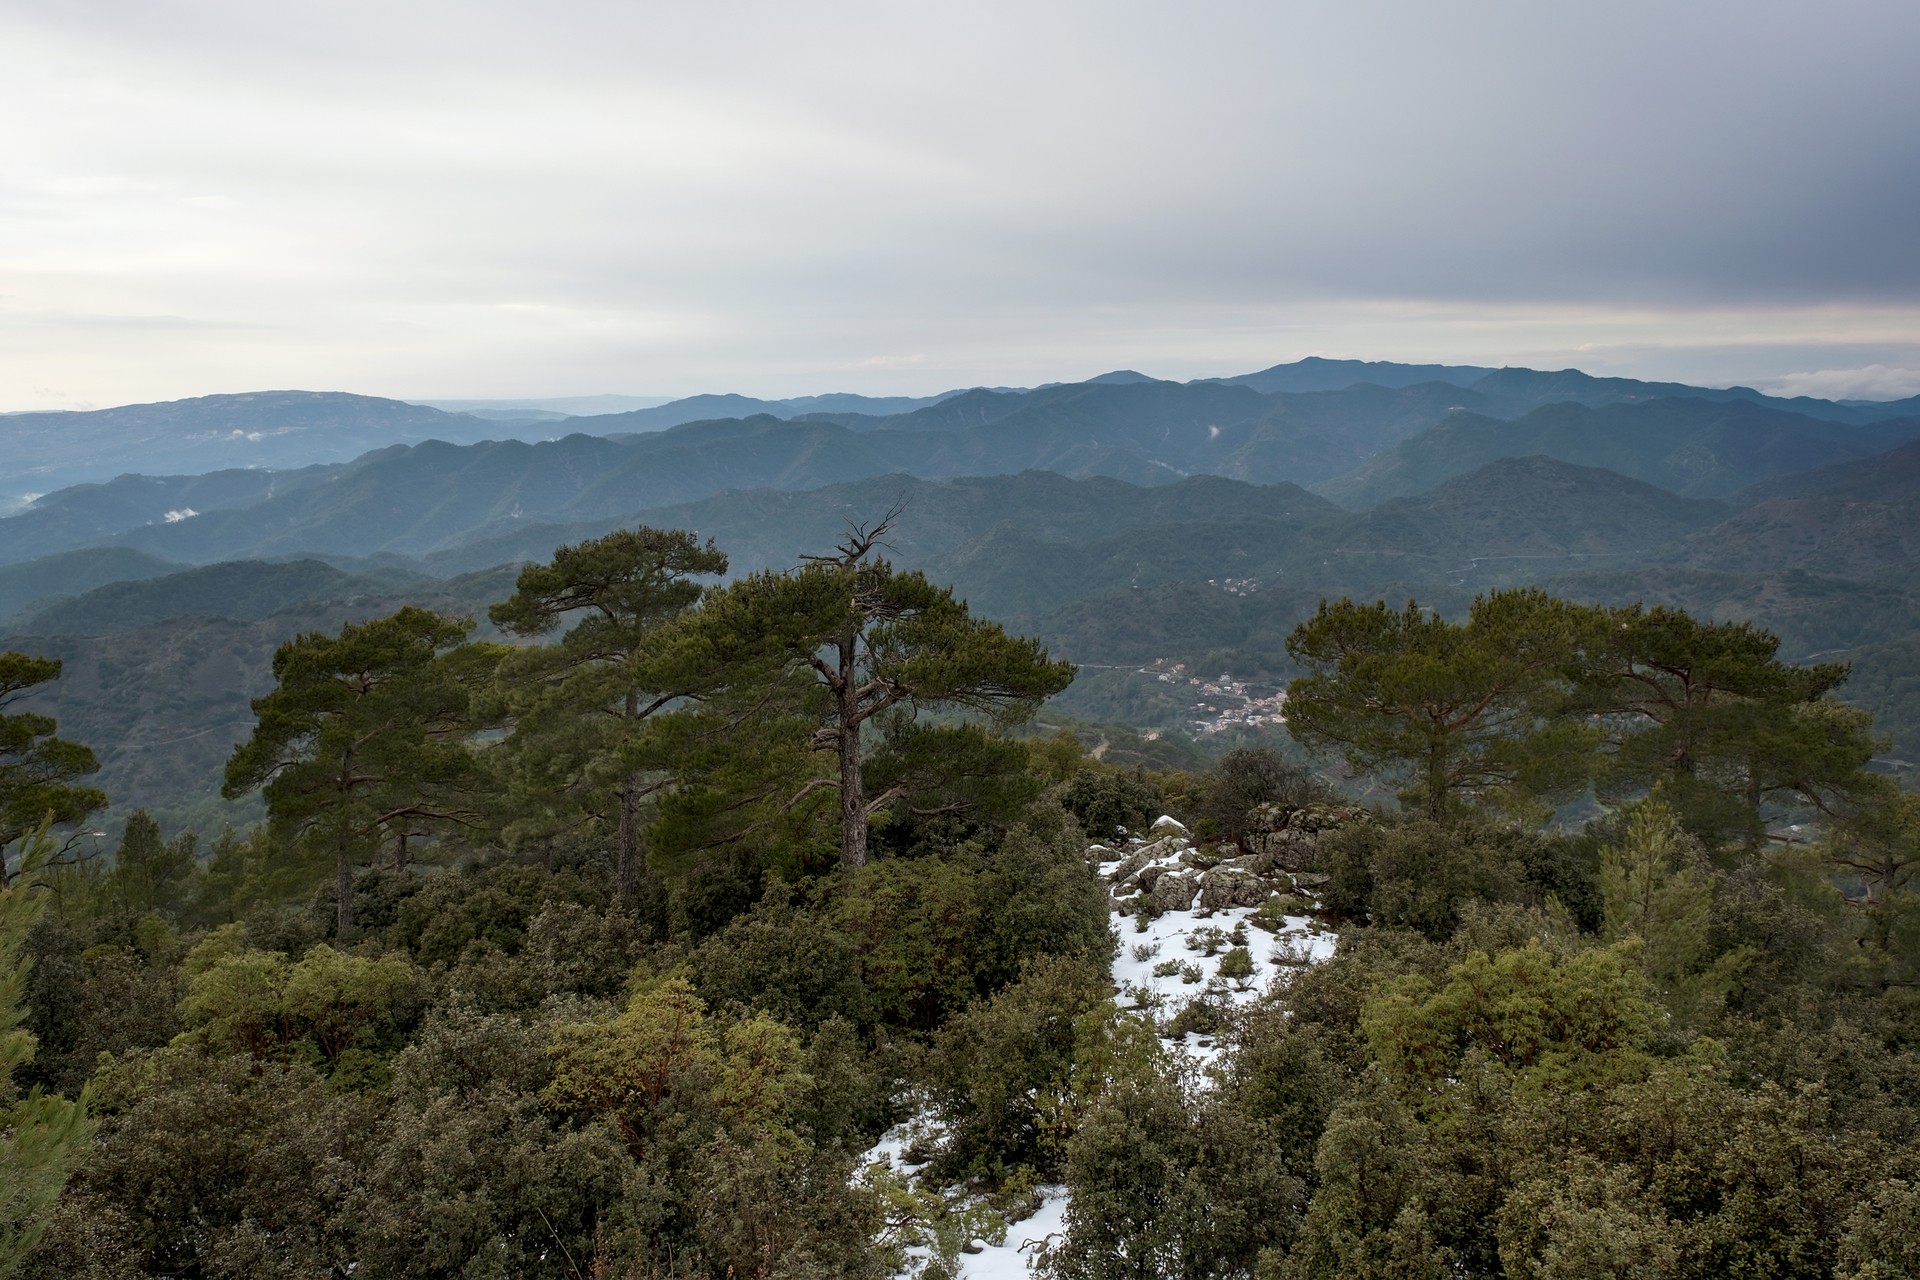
614	953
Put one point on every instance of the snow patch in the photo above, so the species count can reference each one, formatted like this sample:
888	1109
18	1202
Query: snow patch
1013	1259
1160	968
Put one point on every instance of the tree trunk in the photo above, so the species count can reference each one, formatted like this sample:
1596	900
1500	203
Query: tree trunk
343	849
627	855
853	801
1436	782
343	887
853	792
400	852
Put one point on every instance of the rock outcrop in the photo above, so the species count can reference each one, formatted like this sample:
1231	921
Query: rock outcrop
1287	838
1170	871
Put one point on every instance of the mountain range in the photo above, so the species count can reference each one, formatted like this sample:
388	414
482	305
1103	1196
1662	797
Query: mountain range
1122	519
284	429
1360	446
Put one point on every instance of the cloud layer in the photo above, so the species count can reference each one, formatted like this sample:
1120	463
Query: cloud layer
490	198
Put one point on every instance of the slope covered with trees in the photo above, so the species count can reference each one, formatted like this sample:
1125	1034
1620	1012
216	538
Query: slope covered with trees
1205	571
1363	441
1696	448
648	1012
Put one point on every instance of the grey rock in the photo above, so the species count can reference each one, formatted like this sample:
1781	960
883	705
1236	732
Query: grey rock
1285	850
1139	858
1223	887
1174	892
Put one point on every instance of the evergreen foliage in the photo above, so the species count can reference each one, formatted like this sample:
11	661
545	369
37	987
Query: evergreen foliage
361	743
582	705
37	770
1464	711
42	1137
1675	1034
879	643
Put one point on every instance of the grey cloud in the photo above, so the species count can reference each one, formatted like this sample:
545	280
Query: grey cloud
759	196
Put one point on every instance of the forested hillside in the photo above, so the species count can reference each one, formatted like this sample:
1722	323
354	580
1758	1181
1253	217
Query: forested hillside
1696	448
278	429
1204	571
723	924
825	842
1360	443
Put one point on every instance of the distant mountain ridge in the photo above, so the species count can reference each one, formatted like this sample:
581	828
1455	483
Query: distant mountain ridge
1316	373
1893	476
45	451
417	499
70	573
1694	447
270	429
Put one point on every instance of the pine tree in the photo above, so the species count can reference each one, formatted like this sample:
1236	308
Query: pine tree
1459	710
1658	888
580	704
37	769
42	1138
1709	710
363	740
148	871
879	647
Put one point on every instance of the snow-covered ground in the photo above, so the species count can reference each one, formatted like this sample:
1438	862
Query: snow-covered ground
1171	959
1013	1259
1158	970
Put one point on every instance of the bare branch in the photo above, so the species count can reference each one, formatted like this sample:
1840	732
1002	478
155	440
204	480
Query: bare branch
861	538
817	784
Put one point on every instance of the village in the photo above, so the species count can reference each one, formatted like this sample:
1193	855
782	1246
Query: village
1221	703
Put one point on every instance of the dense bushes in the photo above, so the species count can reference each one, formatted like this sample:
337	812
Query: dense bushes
1536	1052
1420	875
508	1073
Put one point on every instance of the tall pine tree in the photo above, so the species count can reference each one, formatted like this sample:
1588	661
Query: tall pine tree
38	771
1456	711
880	648
363	741
580	704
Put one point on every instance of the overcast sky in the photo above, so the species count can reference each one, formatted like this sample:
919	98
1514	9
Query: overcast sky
492	199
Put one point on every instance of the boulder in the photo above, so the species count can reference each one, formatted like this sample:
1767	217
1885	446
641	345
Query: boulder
1284	850
1174	892
1324	817
1139	858
1202	857
1225	887
1289	836
1167	826
1254	864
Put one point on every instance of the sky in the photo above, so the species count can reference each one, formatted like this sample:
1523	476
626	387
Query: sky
501	199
